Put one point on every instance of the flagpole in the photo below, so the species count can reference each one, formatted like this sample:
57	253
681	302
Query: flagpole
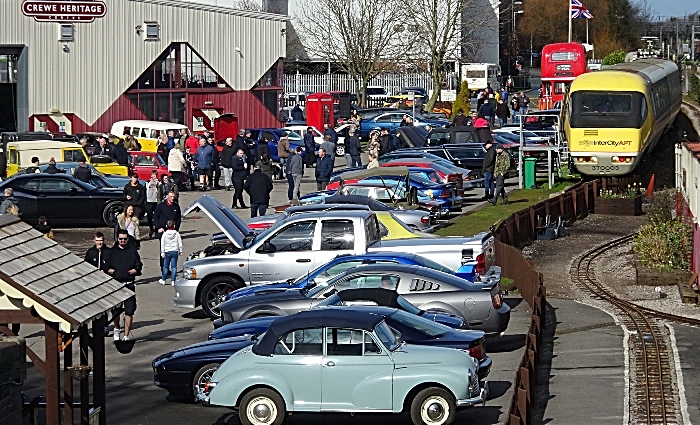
569	21
587	31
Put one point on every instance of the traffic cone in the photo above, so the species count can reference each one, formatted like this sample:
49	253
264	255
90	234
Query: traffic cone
650	188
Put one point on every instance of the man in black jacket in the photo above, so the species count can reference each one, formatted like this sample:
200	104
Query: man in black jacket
123	263
165	211
240	172
52	169
258	186
120	154
226	160
384	142
82	172
487	169
95	255
135	195
34	168
216	160
324	169
352	147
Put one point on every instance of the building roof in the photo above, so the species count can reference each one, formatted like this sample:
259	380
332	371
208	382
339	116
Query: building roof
60	286
694	148
198	5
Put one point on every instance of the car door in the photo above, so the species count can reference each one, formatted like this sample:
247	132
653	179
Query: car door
337	238
297	358
286	254
62	201
27	192
356	373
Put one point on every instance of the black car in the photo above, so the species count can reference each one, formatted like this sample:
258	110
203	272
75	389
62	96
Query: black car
465	155
64	200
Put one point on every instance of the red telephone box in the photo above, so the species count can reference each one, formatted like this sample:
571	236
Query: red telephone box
319	110
226	125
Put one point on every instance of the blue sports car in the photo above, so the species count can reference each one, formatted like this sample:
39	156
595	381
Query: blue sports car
392	120
342	263
185	371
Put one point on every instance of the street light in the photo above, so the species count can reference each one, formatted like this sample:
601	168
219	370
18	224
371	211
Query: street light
512	32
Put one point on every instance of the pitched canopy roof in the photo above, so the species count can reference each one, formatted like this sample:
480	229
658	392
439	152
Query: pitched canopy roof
60	286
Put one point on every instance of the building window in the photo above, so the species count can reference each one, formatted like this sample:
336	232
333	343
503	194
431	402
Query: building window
272	99
273	77
179	67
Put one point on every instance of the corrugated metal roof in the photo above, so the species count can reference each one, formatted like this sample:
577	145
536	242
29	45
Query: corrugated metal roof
219	9
52	277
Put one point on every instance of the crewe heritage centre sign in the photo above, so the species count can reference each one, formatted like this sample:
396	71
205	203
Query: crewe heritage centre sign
64	11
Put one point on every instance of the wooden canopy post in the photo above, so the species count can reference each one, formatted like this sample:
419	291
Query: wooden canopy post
53	374
68	384
98	362
84	383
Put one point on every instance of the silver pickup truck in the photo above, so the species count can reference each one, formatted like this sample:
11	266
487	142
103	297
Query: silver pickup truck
295	246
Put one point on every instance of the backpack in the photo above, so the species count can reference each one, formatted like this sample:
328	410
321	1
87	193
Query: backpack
13	209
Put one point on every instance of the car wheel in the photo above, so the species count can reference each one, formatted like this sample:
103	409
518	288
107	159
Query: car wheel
214	293
110	212
261	406
339	150
433	406
201	378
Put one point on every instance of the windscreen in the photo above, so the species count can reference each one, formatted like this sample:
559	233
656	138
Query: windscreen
593	109
476	74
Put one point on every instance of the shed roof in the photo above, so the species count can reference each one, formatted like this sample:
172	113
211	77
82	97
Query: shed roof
46	276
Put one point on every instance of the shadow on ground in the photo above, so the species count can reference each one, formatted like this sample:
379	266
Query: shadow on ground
542	394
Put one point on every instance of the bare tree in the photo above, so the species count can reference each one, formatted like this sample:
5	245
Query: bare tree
445	30
358	36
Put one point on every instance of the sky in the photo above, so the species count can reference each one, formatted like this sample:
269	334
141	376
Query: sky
666	8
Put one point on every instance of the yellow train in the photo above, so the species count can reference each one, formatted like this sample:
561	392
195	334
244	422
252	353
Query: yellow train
612	117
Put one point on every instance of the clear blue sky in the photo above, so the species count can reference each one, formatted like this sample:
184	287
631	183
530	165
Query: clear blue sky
665	8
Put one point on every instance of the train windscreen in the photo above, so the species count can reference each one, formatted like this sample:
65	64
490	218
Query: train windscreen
593	109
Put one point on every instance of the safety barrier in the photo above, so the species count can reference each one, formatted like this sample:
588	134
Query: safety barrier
518	230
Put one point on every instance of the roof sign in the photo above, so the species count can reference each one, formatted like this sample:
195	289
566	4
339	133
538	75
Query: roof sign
64	11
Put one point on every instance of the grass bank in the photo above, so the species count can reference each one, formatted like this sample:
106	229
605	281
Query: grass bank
482	219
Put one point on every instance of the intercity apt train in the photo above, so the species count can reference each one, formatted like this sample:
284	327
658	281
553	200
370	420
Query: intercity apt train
613	117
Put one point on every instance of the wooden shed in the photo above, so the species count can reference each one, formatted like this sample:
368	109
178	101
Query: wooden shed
42	282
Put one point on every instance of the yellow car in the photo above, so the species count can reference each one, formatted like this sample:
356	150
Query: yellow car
393	228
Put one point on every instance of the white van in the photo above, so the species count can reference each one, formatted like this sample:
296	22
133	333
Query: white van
146	132
478	75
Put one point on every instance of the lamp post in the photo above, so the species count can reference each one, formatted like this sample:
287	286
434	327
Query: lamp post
513	32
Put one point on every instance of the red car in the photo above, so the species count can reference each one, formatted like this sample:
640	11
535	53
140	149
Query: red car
144	162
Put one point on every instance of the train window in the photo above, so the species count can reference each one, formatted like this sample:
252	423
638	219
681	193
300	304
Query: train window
591	109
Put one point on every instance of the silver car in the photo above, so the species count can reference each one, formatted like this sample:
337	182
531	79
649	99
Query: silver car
479	303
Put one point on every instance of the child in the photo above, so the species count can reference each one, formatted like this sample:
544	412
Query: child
170	249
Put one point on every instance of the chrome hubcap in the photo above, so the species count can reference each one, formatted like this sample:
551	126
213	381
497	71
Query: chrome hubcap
434	411
261	411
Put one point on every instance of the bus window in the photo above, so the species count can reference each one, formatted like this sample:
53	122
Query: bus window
144	132
13	156
127	130
154	134
135	131
559	88
563	56
476	74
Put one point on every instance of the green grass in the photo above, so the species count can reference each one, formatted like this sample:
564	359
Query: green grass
482	219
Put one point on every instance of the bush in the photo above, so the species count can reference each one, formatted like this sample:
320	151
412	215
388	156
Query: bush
462	101
618	56
662	206
665	246
694	86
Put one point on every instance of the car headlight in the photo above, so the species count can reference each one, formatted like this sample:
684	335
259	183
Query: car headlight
189	273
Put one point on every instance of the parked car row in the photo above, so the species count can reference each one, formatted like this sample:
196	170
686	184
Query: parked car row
348	322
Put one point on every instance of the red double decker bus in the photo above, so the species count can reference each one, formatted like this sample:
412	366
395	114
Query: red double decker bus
561	63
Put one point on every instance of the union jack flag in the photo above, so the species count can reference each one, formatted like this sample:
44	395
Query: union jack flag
579	11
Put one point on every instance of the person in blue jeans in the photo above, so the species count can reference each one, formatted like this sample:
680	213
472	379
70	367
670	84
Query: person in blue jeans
487	168
170	250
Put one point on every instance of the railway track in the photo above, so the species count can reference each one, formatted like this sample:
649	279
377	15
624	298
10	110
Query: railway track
653	392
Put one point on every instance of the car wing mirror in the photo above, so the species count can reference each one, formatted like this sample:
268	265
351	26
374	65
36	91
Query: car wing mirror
267	248
329	293
73	191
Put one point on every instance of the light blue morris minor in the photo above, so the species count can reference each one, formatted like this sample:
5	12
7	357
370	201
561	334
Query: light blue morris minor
332	360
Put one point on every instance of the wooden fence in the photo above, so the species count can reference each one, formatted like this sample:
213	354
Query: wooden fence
518	230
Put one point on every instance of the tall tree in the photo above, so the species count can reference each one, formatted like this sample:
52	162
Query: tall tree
358	36
445	30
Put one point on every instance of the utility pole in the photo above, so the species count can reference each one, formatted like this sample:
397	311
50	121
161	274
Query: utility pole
692	44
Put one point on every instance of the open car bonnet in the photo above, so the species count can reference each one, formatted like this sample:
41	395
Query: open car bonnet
229	223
